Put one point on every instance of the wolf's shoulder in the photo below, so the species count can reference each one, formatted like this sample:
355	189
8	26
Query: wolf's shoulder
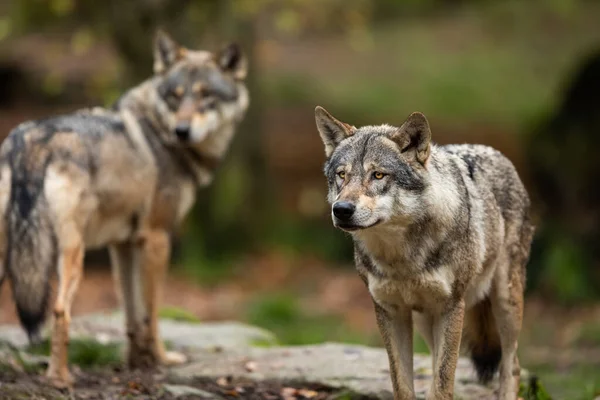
478	158
478	152
489	170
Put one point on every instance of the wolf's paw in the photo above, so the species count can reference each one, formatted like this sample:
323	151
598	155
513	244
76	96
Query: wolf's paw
60	378
173	358
142	359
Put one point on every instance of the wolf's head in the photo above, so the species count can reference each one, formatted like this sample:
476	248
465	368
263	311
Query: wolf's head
376	174
197	92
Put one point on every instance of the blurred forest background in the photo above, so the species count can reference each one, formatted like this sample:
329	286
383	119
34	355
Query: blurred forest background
521	76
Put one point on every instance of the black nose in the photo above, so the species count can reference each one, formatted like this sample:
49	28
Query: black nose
182	130
343	210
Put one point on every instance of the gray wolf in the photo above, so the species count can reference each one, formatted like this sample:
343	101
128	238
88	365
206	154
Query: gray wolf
441	235
122	177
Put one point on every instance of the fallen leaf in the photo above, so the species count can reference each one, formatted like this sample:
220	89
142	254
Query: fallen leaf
223	381
306	393
288	391
251	366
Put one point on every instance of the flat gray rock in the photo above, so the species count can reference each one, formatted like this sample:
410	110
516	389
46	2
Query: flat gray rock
361	369
234	349
110	328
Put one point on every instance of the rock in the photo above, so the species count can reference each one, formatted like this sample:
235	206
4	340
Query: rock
226	349
182	390
360	369
110	328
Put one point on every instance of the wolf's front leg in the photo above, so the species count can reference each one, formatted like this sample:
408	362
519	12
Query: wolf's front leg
397	333
447	332
141	269
155	252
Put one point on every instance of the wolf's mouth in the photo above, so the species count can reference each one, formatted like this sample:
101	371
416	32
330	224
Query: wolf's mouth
351	227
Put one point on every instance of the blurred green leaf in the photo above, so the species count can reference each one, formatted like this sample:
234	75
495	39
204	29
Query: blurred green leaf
62	7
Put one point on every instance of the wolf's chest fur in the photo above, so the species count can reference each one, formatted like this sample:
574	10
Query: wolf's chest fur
422	291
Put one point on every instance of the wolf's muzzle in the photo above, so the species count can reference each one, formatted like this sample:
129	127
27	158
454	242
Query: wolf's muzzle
182	130
343	210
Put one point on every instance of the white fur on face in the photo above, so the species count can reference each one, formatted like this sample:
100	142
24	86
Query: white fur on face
408	205
203	125
370	211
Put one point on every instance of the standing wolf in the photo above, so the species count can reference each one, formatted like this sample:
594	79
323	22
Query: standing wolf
121	177
441	238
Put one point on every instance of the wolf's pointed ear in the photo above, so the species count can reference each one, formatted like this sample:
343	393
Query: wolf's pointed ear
231	59
414	136
166	51
331	130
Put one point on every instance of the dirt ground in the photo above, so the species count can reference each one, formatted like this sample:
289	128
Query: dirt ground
118	384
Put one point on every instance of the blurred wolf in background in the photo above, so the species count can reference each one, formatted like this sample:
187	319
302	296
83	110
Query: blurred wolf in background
122	177
442	236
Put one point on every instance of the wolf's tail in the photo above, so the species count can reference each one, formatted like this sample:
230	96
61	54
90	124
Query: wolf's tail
483	340
31	253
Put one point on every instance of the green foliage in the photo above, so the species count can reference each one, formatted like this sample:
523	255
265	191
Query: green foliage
579	382
298	236
560	268
533	390
178	314
292	89
86	353
281	314
590	334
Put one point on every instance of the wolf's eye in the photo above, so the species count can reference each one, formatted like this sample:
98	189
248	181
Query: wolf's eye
378	175
342	174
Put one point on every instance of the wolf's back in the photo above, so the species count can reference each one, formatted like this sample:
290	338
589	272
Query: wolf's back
31	248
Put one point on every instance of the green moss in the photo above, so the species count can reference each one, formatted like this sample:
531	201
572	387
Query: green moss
281	314
178	314
347	395
263	342
42	348
533	390
86	353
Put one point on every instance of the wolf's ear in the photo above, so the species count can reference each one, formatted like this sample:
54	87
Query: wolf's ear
331	130
414	136
166	51
231	59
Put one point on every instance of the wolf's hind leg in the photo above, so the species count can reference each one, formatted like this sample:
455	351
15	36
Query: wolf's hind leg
507	306
69	276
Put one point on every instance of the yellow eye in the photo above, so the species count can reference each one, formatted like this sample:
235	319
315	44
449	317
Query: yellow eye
378	175
342	174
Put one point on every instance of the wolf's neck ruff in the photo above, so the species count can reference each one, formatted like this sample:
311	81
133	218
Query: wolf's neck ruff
145	116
